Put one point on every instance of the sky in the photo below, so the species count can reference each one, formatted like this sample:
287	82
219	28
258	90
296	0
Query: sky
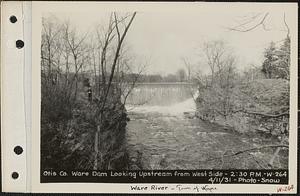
163	38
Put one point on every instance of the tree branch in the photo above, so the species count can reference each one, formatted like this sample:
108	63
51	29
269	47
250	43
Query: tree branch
268	115
115	60
253	27
286	25
248	150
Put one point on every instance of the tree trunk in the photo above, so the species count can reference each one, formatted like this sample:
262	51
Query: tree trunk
96	148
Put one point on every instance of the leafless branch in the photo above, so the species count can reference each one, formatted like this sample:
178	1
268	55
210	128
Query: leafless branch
286	25
116	56
267	115
260	23
248	150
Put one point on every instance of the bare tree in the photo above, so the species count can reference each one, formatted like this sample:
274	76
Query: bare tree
114	38
117	30
71	58
121	37
188	67
50	49
104	43
214	52
216	87
78	51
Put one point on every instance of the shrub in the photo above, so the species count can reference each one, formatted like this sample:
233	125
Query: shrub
250	106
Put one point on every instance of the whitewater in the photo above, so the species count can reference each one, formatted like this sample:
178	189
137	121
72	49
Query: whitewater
176	109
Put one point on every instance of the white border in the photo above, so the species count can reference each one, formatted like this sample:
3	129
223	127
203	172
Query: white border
39	7
13	131
27	86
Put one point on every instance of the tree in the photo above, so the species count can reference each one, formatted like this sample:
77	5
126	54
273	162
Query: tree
275	65
188	67
269	67
69	60
216	87
114	36
78	51
181	75
50	49
63	55
277	60
214	52
283	62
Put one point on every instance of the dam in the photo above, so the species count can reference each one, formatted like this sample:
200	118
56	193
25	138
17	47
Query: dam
163	133
160	94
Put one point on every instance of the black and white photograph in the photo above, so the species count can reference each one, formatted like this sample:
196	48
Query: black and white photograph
149	97
165	90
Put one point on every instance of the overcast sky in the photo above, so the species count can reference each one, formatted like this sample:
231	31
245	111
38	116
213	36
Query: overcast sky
163	38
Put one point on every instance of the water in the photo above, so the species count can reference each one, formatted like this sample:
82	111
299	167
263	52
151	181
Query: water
167	136
160	94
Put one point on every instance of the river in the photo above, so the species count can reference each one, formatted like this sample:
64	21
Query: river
168	136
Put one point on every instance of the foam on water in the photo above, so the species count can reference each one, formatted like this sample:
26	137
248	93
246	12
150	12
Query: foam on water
176	109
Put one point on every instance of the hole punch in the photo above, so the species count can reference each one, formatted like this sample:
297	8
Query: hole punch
15	175
13	19
19	44
18	150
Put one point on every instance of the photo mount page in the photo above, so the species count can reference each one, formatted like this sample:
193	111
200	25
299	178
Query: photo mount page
132	97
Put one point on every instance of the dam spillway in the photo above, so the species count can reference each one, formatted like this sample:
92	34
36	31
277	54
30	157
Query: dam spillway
160	94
